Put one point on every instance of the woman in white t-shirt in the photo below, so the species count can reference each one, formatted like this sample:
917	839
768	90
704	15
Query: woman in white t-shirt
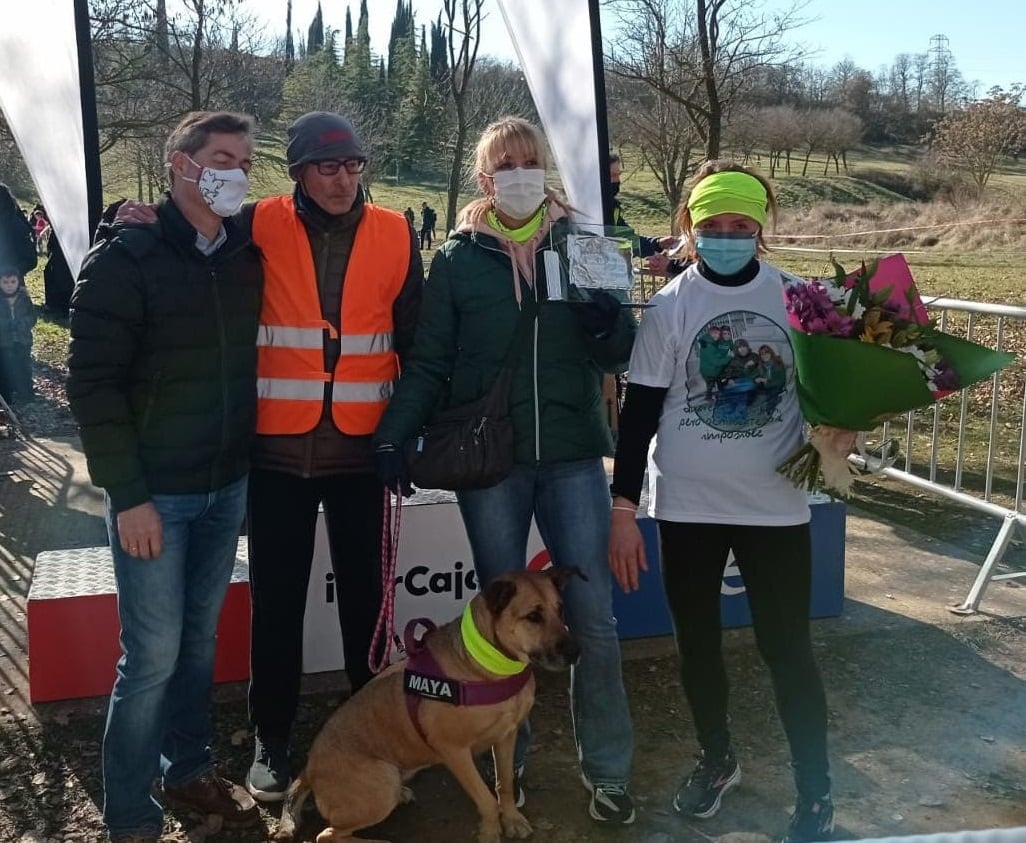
720	434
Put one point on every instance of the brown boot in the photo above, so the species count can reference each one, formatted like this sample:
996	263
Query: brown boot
211	794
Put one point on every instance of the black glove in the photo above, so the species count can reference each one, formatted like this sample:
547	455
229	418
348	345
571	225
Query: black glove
597	313
393	472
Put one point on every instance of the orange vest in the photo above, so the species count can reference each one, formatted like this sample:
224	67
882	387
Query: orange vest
290	365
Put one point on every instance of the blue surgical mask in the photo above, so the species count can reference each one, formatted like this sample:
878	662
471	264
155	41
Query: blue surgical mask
726	254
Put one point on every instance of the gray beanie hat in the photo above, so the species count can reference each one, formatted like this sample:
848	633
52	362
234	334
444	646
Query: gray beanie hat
321	136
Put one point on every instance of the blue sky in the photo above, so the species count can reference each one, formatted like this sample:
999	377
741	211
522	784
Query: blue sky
986	37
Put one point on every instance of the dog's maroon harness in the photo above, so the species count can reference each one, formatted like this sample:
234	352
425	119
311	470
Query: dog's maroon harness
423	679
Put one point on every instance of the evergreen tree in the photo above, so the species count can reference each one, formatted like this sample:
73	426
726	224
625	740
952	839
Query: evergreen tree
290	47
402	30
439	60
315	34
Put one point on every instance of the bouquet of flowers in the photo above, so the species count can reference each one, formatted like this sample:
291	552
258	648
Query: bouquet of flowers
865	350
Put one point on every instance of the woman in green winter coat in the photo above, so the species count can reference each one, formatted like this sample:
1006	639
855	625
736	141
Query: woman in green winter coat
490	270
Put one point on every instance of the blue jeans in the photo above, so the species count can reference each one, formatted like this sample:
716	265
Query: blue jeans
570	504
158	722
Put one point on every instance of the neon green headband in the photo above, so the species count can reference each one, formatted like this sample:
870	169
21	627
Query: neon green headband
728	192
485	653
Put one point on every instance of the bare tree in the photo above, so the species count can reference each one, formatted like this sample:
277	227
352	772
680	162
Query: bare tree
462	24
662	132
842	130
152	66
780	129
701	55
744	135
977	138
813	128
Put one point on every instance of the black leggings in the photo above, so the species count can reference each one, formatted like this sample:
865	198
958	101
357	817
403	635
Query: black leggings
776	565
282	525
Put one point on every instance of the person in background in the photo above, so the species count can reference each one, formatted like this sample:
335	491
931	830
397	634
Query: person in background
162	383
17	316
484	275
411	216
712	494
40	229
428	218
17	246
58	282
651	249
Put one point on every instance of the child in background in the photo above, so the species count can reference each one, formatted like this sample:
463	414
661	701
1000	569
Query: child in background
17	316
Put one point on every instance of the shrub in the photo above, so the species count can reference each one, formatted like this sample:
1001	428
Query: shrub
900	183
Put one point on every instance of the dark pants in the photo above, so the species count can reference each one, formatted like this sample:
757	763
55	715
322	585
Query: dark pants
776	566
282	522
16	372
425	237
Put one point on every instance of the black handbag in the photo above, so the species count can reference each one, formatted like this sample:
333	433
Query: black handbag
470	446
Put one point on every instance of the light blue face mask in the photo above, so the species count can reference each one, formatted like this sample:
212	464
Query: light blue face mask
726	254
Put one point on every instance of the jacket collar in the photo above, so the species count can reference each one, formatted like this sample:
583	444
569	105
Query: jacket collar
182	233
316	218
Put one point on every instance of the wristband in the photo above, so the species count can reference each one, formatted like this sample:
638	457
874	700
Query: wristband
625	508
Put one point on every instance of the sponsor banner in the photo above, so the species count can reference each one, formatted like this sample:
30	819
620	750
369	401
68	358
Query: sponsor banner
435	578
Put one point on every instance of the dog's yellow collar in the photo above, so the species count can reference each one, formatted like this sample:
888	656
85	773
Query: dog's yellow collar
483	652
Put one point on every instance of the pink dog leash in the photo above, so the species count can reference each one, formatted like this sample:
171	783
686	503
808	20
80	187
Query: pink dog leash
384	630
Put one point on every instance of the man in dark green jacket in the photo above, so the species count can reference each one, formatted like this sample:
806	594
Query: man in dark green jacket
162	382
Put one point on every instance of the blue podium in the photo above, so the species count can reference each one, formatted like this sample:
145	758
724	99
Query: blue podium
644	613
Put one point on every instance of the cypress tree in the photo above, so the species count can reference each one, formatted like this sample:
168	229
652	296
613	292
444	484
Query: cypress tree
315	34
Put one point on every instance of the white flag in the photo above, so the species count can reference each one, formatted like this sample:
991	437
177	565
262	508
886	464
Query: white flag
554	44
39	95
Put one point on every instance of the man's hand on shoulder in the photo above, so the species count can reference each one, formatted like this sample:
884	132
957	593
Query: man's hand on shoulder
132	212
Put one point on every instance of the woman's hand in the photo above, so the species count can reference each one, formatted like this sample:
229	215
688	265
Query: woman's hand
626	548
657	263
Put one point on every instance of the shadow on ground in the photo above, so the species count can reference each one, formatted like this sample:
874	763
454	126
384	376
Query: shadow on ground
926	735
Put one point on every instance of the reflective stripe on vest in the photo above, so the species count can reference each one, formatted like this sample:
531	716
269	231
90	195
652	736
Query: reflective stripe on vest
281	336
292	335
309	390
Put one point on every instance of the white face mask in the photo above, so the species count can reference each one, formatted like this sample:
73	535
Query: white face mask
519	192
222	190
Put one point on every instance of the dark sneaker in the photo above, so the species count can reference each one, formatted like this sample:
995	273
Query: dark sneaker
610	803
700	795
212	795
269	777
811	822
133	838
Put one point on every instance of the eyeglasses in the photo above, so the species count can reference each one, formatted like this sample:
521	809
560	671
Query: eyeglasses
353	166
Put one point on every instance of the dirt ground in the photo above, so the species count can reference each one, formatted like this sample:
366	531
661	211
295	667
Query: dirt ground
927	709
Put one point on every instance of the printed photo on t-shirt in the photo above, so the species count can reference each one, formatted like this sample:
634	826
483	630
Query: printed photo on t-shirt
739	365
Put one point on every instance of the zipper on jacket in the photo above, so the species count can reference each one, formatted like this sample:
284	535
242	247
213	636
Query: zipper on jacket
537	399
321	270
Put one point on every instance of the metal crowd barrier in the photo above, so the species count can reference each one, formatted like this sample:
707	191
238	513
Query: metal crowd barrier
1008	835
947	453
1003	419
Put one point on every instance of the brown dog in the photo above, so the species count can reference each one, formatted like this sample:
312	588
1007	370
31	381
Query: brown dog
374	743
